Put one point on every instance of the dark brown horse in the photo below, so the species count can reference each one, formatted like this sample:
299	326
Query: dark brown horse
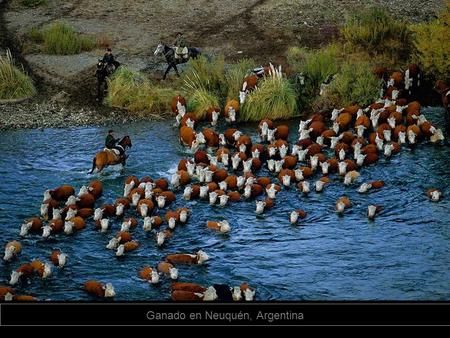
108	157
172	61
103	73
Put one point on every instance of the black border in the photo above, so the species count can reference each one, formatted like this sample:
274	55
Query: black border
340	313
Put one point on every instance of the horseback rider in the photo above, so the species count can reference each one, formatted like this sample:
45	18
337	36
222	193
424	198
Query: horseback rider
105	67
111	142
181	50
109	59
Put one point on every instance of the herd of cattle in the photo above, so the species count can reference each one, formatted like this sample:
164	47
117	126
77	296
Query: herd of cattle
226	168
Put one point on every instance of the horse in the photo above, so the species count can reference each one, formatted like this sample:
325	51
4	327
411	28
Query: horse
104	71
109	157
171	60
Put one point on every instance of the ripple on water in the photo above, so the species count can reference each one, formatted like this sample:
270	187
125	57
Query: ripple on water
402	254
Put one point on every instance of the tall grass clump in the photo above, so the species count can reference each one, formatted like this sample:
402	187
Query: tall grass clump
59	38
234	75
208	74
14	83
355	83
275	99
313	67
35	35
432	47
200	97
376	31
135	93
200	100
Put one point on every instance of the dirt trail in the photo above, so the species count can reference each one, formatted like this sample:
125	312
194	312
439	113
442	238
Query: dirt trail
260	29
8	41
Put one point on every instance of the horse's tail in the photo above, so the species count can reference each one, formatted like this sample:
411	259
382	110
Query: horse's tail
195	52
93	165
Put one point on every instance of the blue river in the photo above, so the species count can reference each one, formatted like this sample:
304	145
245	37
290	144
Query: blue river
404	254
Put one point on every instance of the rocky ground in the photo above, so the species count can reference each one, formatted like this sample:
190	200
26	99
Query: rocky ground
261	29
43	113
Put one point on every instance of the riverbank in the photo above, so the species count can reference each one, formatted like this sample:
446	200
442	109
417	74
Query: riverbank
40	114
229	28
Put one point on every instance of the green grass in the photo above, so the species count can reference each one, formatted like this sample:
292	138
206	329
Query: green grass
35	35
234	75
374	30
200	100
315	66
355	83
370	37
135	93
432	47
275	99
204	73
33	40
14	83
60	38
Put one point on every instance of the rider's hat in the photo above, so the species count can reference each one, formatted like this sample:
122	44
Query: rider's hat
110	131
108	49
179	33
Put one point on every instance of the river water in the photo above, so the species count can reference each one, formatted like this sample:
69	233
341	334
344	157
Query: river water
403	255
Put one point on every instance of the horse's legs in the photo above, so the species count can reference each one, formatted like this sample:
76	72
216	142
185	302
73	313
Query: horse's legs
124	160
167	70
102	88
123	163
176	70
94	165
105	91
99	88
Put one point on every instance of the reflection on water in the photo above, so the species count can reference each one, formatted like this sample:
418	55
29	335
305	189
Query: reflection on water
404	254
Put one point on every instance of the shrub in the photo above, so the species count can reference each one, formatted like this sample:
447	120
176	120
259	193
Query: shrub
202	73
14	83
432	47
355	83
200	100
376	31
295	57
275	98
33	40
60	38
204	83
135	93
234	76
35	35
315	67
